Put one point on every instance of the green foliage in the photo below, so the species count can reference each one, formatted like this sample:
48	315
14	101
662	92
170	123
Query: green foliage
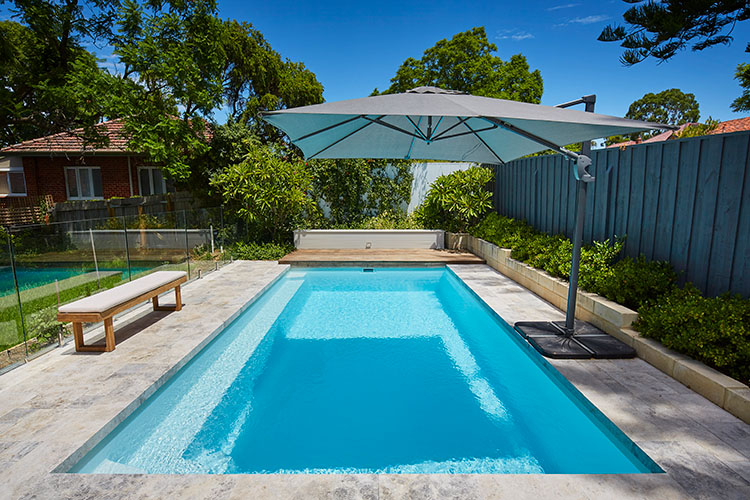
457	200
742	75
389	220
627	281
635	282
267	191
699	129
713	330
466	62
660	29
260	251
671	107
355	189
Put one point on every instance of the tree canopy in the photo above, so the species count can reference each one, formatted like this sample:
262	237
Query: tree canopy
660	29
671	107
467	63
177	63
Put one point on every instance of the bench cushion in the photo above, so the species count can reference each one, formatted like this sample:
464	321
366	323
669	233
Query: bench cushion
106	300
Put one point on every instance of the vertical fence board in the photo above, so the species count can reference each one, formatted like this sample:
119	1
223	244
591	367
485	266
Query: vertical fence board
651	176
686	201
730	170
705	208
665	210
682	229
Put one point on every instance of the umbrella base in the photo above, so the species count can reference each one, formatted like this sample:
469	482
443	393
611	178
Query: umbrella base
585	342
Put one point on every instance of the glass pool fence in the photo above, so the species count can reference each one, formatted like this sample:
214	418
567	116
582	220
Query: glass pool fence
43	266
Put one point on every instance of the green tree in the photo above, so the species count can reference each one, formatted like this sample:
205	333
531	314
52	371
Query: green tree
268	191
742	75
456	201
355	189
467	63
671	107
660	29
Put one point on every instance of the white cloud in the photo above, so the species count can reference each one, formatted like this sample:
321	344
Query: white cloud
589	19
514	34
563	6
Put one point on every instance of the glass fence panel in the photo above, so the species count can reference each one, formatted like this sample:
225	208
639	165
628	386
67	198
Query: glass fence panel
62	262
12	345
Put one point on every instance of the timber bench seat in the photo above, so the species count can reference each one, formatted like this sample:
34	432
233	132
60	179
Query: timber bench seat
104	305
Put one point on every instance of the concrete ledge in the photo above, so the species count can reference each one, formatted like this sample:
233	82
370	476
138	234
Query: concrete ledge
305	239
615	319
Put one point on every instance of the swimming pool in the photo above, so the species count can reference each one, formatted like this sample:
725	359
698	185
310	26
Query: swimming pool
340	370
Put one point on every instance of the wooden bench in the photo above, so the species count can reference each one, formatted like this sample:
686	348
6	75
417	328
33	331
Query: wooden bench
104	305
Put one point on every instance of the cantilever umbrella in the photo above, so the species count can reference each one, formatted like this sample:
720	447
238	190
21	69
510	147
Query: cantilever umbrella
436	124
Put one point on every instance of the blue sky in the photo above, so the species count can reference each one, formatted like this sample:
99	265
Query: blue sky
354	47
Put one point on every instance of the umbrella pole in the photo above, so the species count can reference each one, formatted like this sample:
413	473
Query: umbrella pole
570	314
582	180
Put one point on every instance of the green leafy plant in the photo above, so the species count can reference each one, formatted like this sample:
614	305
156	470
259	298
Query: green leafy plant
260	251
713	330
634	282
267	191
456	201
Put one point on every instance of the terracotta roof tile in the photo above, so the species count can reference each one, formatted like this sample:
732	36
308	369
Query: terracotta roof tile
728	126
72	142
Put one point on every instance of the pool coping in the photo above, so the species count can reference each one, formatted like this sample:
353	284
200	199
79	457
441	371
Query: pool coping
29	451
615	319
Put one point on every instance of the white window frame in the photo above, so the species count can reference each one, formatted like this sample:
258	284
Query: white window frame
13	169
89	169
151	179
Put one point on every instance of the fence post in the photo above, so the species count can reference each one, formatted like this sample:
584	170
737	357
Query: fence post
96	264
127	246
18	293
187	246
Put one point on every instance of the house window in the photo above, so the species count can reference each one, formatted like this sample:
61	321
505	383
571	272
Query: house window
12	180
151	181
83	183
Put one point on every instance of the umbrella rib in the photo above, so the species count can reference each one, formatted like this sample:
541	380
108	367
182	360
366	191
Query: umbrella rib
328	128
424	138
466	133
411	145
485	144
459	122
385	124
342	138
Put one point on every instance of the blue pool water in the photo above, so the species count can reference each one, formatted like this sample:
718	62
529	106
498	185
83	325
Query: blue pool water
398	370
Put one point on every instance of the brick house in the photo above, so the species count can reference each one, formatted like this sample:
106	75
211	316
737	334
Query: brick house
61	166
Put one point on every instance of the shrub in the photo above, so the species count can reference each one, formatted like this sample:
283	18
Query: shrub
259	251
713	330
389	220
457	200
634	282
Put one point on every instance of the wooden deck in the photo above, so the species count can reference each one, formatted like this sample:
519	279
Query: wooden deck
370	257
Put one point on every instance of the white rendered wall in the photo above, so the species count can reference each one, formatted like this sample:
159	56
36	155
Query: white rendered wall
368	238
425	174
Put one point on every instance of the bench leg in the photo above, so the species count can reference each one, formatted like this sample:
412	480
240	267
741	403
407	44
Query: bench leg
109	335
78	335
178	298
155	302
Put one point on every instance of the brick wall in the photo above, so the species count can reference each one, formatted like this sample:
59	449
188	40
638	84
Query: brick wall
46	175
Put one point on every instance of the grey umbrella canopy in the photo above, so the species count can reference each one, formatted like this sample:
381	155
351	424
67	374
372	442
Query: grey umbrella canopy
435	124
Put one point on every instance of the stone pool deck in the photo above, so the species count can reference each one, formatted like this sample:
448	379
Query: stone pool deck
62	401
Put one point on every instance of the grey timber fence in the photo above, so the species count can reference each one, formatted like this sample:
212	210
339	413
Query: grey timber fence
685	201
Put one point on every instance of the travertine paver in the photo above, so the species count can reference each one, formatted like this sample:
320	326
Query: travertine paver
56	404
